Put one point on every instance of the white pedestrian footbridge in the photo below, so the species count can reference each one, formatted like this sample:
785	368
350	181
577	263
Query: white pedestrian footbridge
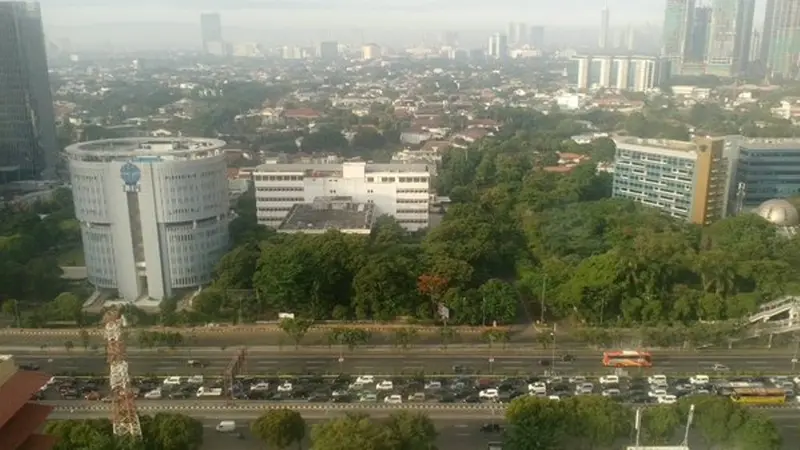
776	317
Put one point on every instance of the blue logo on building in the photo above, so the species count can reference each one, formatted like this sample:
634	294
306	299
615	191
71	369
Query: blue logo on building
130	174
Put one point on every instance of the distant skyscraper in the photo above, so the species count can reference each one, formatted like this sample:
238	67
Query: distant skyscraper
28	147
450	39
698	38
755	47
730	32
498	46
210	30
512	33
602	42
536	37
370	51
781	46
329	50
630	38
522	34
677	32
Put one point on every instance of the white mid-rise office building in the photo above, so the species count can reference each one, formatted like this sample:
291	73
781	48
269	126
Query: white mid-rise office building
153	212
398	190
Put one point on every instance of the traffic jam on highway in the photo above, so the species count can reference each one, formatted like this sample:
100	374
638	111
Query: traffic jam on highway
365	388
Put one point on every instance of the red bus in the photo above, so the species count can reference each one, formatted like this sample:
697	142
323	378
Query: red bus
627	358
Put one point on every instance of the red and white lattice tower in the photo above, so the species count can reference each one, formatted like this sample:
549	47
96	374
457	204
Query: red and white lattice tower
123	407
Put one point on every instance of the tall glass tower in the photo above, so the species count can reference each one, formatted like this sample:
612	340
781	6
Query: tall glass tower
677	37
781	44
729	37
28	148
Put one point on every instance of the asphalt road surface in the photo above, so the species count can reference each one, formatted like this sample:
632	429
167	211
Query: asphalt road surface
454	433
398	362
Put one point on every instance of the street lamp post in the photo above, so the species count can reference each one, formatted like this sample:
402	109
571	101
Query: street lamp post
553	356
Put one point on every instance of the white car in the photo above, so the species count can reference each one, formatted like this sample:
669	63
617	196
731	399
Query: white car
612	392
260	386
489	394
195	379
720	368
577	379
172	381
285	387
155	394
700	380
702	391
657	393
368	398
432	385
778	381
797	380
537	387
609	379
393	399
584	389
554	398
384	385
667	399
657	380
365	379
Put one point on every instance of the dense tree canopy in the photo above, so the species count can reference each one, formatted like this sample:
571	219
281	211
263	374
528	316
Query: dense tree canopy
401	431
517	238
593	422
160	432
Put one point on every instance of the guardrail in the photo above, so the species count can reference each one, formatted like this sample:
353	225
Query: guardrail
265	406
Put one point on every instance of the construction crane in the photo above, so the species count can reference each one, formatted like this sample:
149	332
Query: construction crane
123	406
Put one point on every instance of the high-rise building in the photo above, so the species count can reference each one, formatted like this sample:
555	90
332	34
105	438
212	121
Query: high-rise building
153	213
329	50
755	47
370	51
730	32
511	33
677	33
622	72
498	46
781	38
698	41
761	169
602	41
450	39
630	38
536	37
522	34
28	147
686	180
211	31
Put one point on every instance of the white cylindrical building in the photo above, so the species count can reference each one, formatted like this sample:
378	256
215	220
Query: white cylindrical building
153	212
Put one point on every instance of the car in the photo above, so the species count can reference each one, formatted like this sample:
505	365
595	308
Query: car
365	379
657	380
720	368
433	385
93	396
384	385
699	380
584	389
491	428
577	379
260	386
611	392
417	397
394	399
545	362
489	394
609	379
29	367
195	379
657	393
554	398
702	391
567	357
667	399
537	387
195	363
285	387
155	394
368	398
178	395
172	381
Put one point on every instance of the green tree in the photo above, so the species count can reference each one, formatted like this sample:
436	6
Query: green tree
660	424
536	424
499	301
295	328
67	306
349	432
411	431
11	309
165	431
598	422
280	428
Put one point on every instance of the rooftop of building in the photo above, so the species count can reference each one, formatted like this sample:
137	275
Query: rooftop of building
681	148
143	147
616	55
769	143
329	213
19	418
337	169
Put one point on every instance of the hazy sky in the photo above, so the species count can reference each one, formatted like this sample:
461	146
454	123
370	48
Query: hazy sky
367	13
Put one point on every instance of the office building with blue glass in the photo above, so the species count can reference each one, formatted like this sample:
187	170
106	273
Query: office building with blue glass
761	169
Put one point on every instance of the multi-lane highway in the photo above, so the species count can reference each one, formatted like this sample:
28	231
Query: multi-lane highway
398	362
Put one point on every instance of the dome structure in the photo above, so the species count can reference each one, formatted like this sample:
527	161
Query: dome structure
780	212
